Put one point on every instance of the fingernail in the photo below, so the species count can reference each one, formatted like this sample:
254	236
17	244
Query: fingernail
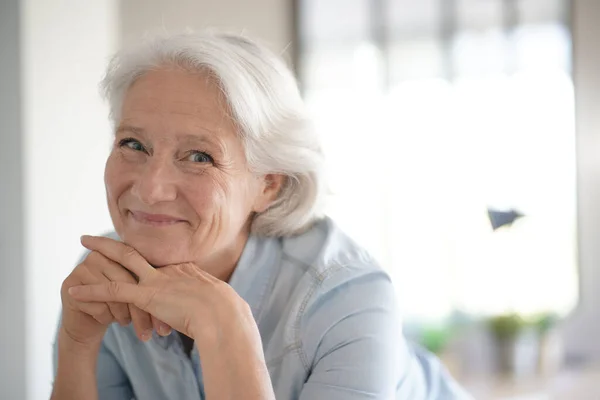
146	335
163	330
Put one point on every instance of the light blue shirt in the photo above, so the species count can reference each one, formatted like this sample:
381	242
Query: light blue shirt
329	325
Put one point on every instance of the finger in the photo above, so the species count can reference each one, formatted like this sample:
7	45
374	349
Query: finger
121	253
160	327
99	311
142	322
120	292
112	270
120	312
106	270
188	269
88	272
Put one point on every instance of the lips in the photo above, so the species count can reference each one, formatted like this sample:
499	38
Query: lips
154	219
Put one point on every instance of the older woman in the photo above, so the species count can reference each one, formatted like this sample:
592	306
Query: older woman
225	279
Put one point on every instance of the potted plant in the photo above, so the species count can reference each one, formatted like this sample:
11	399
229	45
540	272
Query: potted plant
550	343
516	344
439	338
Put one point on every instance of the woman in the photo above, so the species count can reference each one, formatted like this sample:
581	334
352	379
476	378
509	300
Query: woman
225	279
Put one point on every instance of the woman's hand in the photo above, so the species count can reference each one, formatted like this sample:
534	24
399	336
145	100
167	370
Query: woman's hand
198	305
183	296
86	322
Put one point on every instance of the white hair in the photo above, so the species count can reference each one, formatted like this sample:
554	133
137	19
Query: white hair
265	103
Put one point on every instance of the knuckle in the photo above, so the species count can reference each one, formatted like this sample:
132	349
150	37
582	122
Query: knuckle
187	269
130	254
113	288
83	268
65	286
64	292
93	257
191	269
179	268
104	315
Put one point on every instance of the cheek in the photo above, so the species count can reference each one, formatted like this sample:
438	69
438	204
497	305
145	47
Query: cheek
214	196
115	178
110	176
206	194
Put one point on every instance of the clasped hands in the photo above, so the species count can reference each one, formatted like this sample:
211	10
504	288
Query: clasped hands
115	283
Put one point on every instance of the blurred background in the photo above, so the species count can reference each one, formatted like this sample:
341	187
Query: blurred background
463	148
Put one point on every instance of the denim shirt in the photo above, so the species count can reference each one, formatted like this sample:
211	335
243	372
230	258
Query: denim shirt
329	324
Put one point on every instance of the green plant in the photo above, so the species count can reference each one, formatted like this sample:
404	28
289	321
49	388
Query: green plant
436	335
435	338
545	322
506	327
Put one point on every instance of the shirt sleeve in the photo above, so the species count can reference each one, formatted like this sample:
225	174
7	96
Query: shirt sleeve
112	381
353	339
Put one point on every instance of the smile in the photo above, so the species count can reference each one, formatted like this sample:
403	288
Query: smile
156	220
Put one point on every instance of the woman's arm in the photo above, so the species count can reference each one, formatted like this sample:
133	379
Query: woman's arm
75	370
233	364
352	332
83	367
83	374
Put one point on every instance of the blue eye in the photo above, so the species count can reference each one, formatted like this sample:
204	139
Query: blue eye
132	144
200	157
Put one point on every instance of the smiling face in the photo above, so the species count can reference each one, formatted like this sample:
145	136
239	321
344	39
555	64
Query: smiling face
178	186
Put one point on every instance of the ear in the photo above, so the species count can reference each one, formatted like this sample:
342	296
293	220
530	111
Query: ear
270	186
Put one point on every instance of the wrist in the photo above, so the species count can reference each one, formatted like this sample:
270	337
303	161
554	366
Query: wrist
76	370
71	348
233	361
227	325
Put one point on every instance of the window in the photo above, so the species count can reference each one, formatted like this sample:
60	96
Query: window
433	112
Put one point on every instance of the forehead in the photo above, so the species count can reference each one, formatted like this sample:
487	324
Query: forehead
173	96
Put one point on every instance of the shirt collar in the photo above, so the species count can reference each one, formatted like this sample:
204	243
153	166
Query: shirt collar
255	271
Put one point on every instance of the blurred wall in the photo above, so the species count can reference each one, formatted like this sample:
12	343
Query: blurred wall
583	328
54	138
12	271
267	20
66	138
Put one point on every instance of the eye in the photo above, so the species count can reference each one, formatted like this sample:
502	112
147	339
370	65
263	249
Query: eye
132	144
200	157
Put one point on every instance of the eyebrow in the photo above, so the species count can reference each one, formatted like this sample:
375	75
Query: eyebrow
130	128
188	137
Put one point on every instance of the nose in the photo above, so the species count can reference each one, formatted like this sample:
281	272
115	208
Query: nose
157	183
